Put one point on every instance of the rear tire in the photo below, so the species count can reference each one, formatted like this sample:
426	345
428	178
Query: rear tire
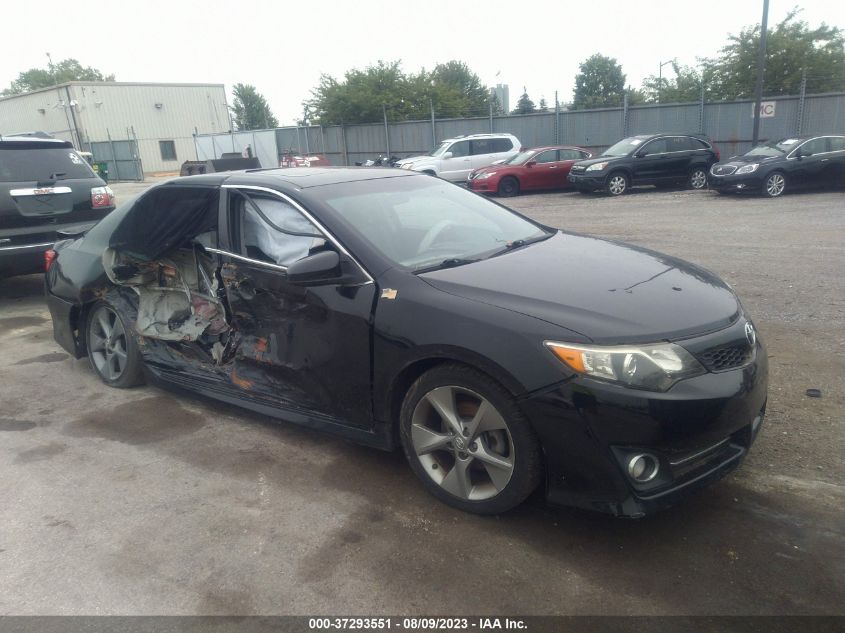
468	442
112	351
616	184
508	187
774	185
698	178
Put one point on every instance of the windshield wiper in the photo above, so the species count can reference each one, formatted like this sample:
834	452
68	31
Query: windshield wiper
451	262
510	246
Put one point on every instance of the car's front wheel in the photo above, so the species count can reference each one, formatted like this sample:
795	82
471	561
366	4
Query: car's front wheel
774	185
508	186
698	178
617	184
468	442
112	351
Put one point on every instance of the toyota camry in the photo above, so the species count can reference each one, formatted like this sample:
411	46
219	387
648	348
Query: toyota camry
399	310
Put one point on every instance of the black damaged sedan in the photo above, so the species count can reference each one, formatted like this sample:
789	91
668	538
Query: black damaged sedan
393	308
775	168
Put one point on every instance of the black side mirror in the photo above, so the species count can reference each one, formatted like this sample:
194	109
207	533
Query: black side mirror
320	268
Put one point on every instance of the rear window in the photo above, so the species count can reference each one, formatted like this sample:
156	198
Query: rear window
44	163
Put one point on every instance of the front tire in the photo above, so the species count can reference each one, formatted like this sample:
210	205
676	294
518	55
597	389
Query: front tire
112	350
616	184
468	442
774	185
508	187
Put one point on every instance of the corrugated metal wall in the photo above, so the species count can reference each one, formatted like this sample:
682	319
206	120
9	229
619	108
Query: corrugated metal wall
122	111
729	124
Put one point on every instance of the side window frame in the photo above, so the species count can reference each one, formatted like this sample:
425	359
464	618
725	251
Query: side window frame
455	144
654	143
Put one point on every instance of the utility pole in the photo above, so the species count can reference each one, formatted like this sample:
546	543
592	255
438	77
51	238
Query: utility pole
761	69
660	77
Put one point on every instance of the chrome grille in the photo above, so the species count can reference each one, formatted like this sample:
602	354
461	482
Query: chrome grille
722	170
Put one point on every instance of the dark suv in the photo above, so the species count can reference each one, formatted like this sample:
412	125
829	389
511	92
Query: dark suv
647	159
45	187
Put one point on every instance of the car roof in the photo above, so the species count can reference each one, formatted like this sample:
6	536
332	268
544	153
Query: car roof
295	177
465	137
34	141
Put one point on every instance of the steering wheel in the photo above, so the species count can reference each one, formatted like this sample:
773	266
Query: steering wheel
432	234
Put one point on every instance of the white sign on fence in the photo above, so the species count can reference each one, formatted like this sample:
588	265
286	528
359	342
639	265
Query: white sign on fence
767	109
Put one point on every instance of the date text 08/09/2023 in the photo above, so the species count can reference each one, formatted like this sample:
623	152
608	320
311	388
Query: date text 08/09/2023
414	624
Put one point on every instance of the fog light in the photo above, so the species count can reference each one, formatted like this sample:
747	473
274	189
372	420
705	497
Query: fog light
643	468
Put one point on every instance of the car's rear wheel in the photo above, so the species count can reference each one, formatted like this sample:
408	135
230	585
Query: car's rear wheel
698	178
616	184
774	185
112	351
468	442
508	186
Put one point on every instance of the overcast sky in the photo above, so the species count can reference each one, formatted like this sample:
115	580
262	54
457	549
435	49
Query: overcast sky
283	47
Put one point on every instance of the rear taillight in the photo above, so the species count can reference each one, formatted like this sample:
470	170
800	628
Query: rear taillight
102	197
49	258
718	153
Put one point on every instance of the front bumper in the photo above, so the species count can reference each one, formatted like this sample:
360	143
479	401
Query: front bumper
584	180
483	185
699	431
745	183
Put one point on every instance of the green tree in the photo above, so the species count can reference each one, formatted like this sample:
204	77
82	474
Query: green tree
599	84
66	70
791	47
543	107
365	96
250	109
524	105
684	86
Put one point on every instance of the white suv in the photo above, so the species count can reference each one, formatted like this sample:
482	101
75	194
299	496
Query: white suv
455	158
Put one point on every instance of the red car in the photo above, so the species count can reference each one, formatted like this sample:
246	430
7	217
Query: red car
531	169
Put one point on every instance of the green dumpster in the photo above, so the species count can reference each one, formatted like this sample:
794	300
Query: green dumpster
102	170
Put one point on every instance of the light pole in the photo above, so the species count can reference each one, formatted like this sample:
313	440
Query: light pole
761	69
660	77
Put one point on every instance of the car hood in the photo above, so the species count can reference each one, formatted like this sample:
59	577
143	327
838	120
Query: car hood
745	160
606	291
410	160
596	159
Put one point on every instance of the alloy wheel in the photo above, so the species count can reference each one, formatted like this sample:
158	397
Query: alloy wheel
775	184
107	343
617	184
462	442
698	180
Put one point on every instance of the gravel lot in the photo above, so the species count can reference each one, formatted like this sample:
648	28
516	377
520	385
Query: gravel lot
147	502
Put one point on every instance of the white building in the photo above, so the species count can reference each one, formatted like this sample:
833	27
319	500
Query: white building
161	117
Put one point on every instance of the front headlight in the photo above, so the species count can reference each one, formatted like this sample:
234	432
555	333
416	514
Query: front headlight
654	367
407	166
747	169
597	166
486	174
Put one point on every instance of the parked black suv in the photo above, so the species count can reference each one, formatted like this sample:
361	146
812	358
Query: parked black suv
790	163
45	187
647	159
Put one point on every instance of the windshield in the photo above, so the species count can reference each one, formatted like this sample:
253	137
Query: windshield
778	148
39	164
420	222
520	159
439	149
623	147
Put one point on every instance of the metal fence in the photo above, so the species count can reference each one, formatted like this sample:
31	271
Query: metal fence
728	124
122	158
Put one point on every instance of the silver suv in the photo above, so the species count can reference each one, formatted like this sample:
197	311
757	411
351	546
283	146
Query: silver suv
455	158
